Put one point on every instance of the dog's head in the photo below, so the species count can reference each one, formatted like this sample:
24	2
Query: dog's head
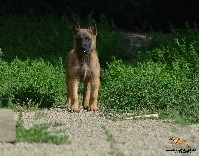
84	39
172	138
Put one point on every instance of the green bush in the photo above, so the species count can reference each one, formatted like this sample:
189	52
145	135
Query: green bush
34	82
149	87
177	45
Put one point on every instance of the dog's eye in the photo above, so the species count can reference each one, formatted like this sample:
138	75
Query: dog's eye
88	39
78	39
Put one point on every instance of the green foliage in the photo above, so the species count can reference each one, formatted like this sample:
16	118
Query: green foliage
35	38
179	45
110	43
32	82
50	38
151	87
165	79
38	134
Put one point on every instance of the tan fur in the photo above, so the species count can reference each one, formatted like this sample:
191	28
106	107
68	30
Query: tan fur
87	73
176	140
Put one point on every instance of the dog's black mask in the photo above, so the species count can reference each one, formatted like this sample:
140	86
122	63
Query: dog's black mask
83	44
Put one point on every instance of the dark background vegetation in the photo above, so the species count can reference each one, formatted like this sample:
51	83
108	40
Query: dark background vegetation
132	15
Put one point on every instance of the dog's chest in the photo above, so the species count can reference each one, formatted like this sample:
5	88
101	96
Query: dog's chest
82	70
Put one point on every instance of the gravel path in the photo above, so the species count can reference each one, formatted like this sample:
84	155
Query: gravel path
92	134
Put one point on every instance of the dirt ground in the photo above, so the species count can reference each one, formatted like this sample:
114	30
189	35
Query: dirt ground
90	133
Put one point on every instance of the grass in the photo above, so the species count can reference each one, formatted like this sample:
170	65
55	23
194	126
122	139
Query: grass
164	80
114	151
38	134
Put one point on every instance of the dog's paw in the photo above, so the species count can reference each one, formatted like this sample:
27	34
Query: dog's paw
86	107
68	107
93	108
74	109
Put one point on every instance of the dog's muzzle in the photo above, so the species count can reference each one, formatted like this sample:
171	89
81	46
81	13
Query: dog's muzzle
84	50
83	46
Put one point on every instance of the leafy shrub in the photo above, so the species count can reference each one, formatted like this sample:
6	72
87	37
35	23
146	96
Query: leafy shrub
151	87
35	81
179	44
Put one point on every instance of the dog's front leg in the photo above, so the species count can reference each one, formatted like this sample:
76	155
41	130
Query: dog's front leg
68	101
86	95
94	93
73	83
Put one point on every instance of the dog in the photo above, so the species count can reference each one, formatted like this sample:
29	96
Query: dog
82	65
176	140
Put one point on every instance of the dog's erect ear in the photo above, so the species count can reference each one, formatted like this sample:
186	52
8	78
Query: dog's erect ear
92	28
76	27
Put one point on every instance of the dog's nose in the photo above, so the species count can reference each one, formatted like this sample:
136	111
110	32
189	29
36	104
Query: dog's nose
84	49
